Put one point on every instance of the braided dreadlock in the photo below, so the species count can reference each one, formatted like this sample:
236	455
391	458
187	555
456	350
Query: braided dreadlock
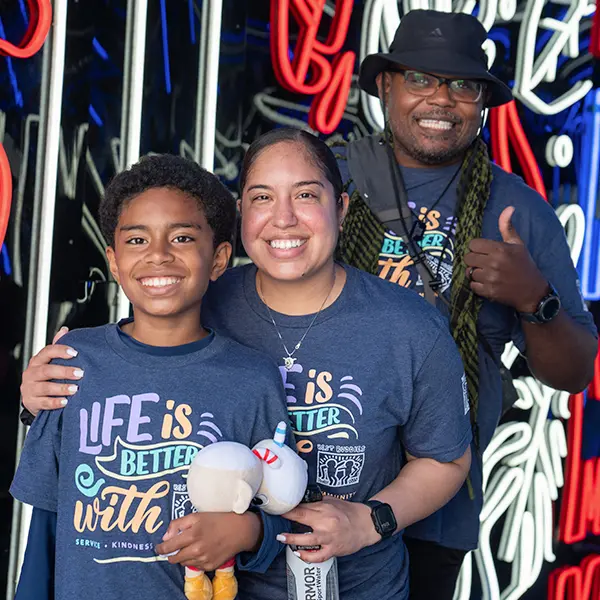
362	238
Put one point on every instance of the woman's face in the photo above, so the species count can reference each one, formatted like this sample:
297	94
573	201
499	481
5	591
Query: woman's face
290	216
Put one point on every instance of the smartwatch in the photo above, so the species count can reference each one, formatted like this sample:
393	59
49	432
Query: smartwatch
547	309
383	518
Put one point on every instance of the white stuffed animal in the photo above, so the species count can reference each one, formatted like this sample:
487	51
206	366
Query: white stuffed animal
285	475
228	477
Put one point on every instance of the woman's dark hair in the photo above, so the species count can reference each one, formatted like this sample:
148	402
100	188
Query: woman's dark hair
318	152
176	173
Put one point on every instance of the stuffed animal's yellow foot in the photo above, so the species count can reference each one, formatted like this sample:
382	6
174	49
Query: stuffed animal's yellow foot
225	586
198	588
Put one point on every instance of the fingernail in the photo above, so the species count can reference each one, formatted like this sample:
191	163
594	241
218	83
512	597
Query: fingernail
64	402
296	553
78	373
72	389
72	352
281	538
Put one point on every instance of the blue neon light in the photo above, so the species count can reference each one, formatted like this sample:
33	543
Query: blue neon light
11	73
192	21
95	116
5	260
165	43
589	262
24	12
99	49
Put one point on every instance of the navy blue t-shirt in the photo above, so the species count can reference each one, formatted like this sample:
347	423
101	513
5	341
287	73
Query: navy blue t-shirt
457	524
112	464
377	374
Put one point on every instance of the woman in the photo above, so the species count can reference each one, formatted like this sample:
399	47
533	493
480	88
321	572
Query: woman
374	381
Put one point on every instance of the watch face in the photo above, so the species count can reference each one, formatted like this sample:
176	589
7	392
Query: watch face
386	520
550	308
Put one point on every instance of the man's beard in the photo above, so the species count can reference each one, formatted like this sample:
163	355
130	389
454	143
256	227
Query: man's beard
430	156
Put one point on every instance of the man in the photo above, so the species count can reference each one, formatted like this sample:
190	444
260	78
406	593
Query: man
429	211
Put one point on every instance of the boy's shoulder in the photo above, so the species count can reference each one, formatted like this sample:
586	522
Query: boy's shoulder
248	362
86	337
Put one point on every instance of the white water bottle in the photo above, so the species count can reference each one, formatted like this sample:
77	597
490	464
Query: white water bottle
310	581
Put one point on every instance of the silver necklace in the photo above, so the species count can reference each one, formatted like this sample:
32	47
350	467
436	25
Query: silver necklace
289	360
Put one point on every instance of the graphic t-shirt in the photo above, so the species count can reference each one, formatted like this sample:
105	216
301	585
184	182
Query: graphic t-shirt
113	463
457	524
377	373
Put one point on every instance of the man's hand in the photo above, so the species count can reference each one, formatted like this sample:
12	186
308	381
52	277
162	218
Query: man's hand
207	540
339	527
504	271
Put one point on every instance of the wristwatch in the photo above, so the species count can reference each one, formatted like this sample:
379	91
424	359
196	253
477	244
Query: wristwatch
547	309
383	518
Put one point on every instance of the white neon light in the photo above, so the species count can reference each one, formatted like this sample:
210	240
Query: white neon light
208	75
507	10
530	72
133	93
559	151
49	157
572	218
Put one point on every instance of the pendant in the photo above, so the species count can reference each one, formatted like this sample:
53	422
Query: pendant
288	362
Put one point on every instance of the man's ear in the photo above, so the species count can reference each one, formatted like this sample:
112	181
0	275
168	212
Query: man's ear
112	263
221	259
383	82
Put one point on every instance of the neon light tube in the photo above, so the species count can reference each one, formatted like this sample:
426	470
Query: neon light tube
208	78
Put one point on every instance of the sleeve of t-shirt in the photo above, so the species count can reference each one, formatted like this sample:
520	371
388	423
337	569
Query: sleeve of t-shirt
37	573
548	246
36	479
439	426
272	410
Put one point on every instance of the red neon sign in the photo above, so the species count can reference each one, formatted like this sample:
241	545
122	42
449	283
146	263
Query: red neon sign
576	583
506	126
5	193
595	35
40	18
580	507
310	72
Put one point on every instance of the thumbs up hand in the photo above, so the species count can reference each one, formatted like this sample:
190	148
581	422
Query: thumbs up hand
507	230
504	271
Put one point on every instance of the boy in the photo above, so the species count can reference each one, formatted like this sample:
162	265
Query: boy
157	388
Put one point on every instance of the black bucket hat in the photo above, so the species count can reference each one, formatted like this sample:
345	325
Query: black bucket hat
437	42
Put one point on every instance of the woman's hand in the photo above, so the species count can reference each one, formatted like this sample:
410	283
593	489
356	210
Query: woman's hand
339	527
207	540
38	390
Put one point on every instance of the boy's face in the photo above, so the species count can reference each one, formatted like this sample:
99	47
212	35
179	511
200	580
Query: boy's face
163	255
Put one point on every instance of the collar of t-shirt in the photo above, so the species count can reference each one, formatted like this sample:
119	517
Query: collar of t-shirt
415	177
162	350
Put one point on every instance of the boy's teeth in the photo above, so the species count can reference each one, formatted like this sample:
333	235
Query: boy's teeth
160	281
286	244
435	124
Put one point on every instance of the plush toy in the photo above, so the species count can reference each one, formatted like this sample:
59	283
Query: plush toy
228	477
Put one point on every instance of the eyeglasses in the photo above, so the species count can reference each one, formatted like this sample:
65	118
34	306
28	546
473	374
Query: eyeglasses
425	84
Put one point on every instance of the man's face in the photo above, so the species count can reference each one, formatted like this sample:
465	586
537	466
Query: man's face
431	131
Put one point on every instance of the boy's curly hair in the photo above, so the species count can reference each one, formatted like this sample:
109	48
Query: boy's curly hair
176	173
